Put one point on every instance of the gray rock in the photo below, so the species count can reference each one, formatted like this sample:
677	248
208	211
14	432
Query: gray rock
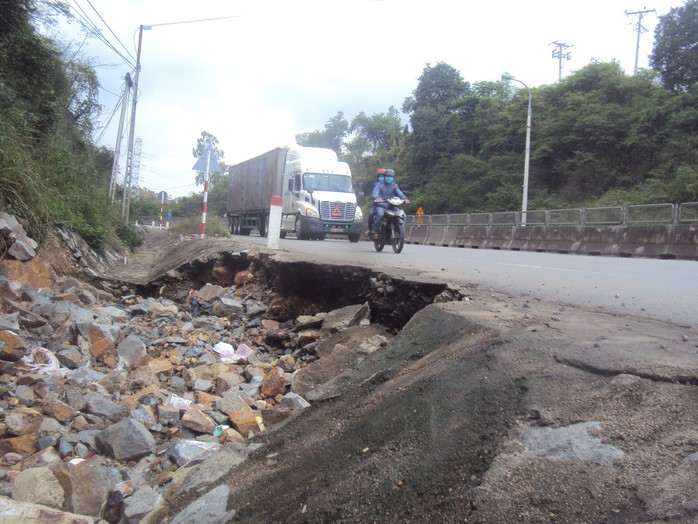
126	440
138	505
208	508
213	468
72	358
84	376
144	415
111	312
27	513
10	321
23	421
38	486
225	306
293	401
88	436
25	395
61	312
570	444
202	385
102	407
46	442
254	307
65	448
168	415
131	349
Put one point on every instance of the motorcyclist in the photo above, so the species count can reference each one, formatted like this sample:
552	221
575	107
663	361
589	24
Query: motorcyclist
381	192
380	178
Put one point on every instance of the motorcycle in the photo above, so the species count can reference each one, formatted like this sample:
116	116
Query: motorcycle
392	226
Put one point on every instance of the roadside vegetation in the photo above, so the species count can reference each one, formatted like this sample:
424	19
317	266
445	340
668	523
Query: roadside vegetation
599	137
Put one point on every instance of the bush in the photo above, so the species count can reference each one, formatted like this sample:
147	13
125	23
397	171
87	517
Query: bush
131	236
215	226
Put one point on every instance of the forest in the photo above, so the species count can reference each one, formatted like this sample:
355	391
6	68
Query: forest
598	137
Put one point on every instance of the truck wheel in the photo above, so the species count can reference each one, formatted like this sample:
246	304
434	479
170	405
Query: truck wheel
321	237
263	225
354	238
300	235
282	234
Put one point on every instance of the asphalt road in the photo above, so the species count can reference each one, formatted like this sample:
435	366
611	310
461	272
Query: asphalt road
662	289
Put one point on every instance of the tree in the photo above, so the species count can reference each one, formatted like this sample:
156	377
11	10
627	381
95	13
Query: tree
380	131
675	52
205	142
332	136
431	108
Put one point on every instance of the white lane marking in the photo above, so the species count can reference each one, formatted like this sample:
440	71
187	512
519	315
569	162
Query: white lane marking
586	272
543	267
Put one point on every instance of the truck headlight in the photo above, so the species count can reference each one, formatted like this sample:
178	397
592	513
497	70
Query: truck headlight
310	212
358	215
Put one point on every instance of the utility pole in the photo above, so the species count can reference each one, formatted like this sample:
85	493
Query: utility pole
559	53
640	29
119	135
125	209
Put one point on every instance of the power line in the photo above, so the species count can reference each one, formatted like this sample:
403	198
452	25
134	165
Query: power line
110	30
86	22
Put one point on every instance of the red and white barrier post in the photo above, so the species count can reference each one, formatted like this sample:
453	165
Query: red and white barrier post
274	225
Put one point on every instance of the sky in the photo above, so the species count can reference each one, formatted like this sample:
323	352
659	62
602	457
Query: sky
266	70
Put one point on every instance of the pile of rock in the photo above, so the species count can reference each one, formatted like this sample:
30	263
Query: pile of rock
107	396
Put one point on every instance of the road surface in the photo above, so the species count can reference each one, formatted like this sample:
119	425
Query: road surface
662	289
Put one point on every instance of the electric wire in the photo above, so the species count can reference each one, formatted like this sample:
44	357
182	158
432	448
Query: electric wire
86	22
106	124
110	30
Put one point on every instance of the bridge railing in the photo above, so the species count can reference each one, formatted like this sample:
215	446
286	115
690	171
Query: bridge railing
649	230
686	212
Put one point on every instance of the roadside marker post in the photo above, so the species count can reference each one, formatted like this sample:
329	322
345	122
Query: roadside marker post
274	224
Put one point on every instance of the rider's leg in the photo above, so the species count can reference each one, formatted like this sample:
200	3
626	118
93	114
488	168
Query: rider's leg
380	211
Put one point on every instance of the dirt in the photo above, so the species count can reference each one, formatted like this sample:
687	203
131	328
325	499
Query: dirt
441	425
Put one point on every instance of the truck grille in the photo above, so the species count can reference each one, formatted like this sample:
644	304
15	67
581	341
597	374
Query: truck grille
337	211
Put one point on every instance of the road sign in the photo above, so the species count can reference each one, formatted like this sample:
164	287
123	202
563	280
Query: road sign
214	166
420	212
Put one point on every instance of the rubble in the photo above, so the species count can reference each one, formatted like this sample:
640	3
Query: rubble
107	396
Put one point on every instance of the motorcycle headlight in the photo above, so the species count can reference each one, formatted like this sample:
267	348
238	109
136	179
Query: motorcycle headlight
359	215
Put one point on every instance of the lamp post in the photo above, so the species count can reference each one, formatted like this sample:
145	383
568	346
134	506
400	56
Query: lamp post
524	206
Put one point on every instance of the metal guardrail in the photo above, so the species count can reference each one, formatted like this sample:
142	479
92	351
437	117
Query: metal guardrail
644	214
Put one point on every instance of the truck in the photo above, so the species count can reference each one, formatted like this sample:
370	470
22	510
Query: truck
315	187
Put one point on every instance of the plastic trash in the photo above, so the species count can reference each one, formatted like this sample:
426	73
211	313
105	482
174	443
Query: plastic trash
218	431
228	355
178	402
43	362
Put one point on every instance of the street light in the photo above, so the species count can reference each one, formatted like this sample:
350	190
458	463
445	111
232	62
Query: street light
506	77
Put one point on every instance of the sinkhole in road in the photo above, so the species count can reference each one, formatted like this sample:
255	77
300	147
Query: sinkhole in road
296	288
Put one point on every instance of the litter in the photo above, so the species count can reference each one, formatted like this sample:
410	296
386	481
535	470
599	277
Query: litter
229	355
43	362
178	402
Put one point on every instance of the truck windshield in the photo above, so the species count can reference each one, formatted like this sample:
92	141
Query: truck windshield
327	182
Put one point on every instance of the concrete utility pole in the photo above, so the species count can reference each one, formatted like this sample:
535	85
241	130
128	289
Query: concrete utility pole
640	29
119	135
125	209
559	53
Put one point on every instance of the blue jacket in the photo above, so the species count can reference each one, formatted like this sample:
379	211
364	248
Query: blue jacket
384	191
